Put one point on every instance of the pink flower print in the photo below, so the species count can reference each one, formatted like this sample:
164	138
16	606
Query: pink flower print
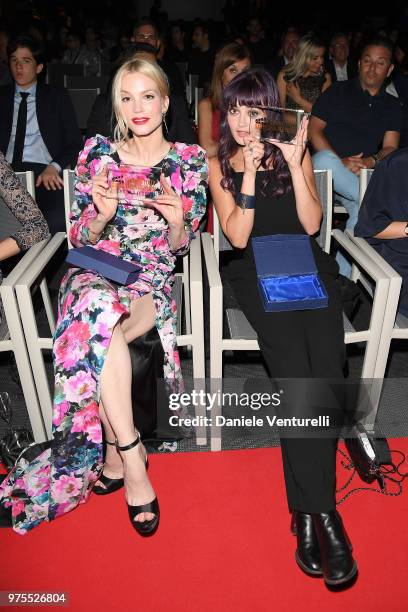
176	180
187	204
87	420
72	345
89	300
189	152
109	246
65	488
17	507
79	387
191	181
59	411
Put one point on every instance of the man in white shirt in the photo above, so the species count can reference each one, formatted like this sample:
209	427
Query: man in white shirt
339	66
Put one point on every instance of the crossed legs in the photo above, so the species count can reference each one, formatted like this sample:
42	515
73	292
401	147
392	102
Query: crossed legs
116	406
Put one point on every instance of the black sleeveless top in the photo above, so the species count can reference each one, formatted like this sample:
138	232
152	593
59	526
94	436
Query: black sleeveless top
274	216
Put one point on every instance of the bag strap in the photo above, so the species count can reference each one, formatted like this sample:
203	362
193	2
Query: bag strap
382	473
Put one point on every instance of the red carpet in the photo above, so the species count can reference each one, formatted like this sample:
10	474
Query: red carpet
223	544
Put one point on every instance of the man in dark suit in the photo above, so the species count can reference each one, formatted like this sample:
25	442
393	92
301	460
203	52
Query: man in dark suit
339	66
289	45
38	128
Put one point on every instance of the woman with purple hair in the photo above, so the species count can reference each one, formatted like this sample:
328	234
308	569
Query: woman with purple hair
268	188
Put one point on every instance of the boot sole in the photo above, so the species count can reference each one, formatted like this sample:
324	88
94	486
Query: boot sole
306	569
346	578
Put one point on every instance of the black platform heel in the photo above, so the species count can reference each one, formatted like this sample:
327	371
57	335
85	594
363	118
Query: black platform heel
111	484
145	528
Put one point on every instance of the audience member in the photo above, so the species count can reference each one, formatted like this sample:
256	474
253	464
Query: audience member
339	66
289	45
38	129
256	42
77	53
303	79
179	128
177	48
383	216
33	225
202	56
5	76
146	32
355	124
229	61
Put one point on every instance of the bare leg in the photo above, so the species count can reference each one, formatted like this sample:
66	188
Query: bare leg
113	467
116	380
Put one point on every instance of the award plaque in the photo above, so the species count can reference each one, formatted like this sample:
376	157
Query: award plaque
281	124
133	183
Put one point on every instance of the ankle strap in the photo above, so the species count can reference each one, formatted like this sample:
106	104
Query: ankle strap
128	446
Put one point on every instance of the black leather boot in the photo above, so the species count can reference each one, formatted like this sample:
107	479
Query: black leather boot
307	554
338	565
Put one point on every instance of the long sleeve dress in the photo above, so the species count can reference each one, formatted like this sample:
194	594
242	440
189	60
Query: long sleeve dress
89	307
34	227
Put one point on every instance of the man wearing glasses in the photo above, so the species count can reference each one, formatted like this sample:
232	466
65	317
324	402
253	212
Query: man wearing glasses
339	65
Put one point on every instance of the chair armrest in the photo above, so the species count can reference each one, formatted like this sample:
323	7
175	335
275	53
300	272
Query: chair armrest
37	266
211	263
374	256
359	257
28	259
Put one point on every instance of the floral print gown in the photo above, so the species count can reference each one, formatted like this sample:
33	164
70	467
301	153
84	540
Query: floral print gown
89	306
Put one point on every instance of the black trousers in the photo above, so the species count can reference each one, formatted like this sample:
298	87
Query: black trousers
50	202
307	345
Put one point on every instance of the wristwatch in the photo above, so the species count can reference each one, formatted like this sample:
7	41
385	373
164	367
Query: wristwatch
406	230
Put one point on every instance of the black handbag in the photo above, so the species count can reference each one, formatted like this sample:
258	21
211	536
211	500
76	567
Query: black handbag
367	454
16	439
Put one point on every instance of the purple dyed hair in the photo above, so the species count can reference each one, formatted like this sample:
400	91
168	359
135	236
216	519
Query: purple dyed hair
254	88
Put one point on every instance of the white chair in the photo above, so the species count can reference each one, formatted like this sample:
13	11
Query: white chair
243	336
194	336
82	101
192	83
395	325
198	96
11	330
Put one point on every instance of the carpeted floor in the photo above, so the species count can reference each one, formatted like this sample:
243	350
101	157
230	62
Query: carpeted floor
223	545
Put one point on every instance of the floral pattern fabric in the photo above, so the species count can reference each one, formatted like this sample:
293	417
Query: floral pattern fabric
89	307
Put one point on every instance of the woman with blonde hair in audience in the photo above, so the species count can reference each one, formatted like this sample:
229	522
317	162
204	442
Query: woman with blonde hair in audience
303	79
98	318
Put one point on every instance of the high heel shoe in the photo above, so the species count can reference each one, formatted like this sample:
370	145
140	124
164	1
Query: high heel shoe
338	564
144	528
307	554
111	484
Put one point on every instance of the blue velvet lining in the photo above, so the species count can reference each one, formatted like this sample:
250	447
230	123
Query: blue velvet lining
298	287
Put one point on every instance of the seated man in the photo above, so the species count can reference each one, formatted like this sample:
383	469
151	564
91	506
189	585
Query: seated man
355	124
383	216
38	128
340	67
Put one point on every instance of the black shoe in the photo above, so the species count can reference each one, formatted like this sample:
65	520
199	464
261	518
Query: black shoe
111	484
307	554
145	528
338	564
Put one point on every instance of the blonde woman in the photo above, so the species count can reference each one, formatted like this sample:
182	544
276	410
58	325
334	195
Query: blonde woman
303	79
98	319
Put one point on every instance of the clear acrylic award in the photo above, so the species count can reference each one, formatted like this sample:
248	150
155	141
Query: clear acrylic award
133	183
281	124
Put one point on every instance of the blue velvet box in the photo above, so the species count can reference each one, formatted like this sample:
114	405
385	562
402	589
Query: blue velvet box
110	266
287	273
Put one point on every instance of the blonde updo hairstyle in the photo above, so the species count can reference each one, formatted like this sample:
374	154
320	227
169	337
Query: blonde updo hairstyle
144	66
